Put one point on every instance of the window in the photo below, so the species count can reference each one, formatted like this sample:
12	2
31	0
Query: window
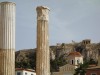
77	61
72	61
25	73
93	74
18	73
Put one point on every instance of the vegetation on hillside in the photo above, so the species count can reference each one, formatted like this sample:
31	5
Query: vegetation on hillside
81	70
27	58
31	62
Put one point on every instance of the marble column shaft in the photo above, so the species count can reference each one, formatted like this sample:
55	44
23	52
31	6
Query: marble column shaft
43	54
7	38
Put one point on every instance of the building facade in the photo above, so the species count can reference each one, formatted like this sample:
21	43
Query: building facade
74	58
93	71
21	71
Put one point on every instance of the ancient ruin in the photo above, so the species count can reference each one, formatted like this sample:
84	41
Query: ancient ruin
7	38
43	55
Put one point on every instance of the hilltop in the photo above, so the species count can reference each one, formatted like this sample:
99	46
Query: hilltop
58	54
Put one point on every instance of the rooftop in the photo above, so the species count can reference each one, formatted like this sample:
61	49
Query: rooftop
22	69
77	54
96	67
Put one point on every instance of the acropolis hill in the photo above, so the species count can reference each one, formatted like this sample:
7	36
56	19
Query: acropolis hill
59	52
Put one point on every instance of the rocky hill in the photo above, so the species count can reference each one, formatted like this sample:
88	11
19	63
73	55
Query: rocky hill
27	59
58	54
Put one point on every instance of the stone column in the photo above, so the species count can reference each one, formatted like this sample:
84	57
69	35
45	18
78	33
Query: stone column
43	55
7	38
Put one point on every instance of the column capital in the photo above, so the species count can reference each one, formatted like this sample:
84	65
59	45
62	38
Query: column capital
42	13
6	2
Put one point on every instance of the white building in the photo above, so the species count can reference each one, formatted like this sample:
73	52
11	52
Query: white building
74	58
21	71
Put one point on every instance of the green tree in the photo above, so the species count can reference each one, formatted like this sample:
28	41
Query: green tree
82	68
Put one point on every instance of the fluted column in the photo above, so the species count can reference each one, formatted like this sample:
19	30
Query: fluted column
7	38
43	55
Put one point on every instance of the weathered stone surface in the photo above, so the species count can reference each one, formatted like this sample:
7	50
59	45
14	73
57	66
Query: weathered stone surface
43	54
42	12
7	38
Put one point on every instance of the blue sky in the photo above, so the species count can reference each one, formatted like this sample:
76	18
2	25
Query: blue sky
69	20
